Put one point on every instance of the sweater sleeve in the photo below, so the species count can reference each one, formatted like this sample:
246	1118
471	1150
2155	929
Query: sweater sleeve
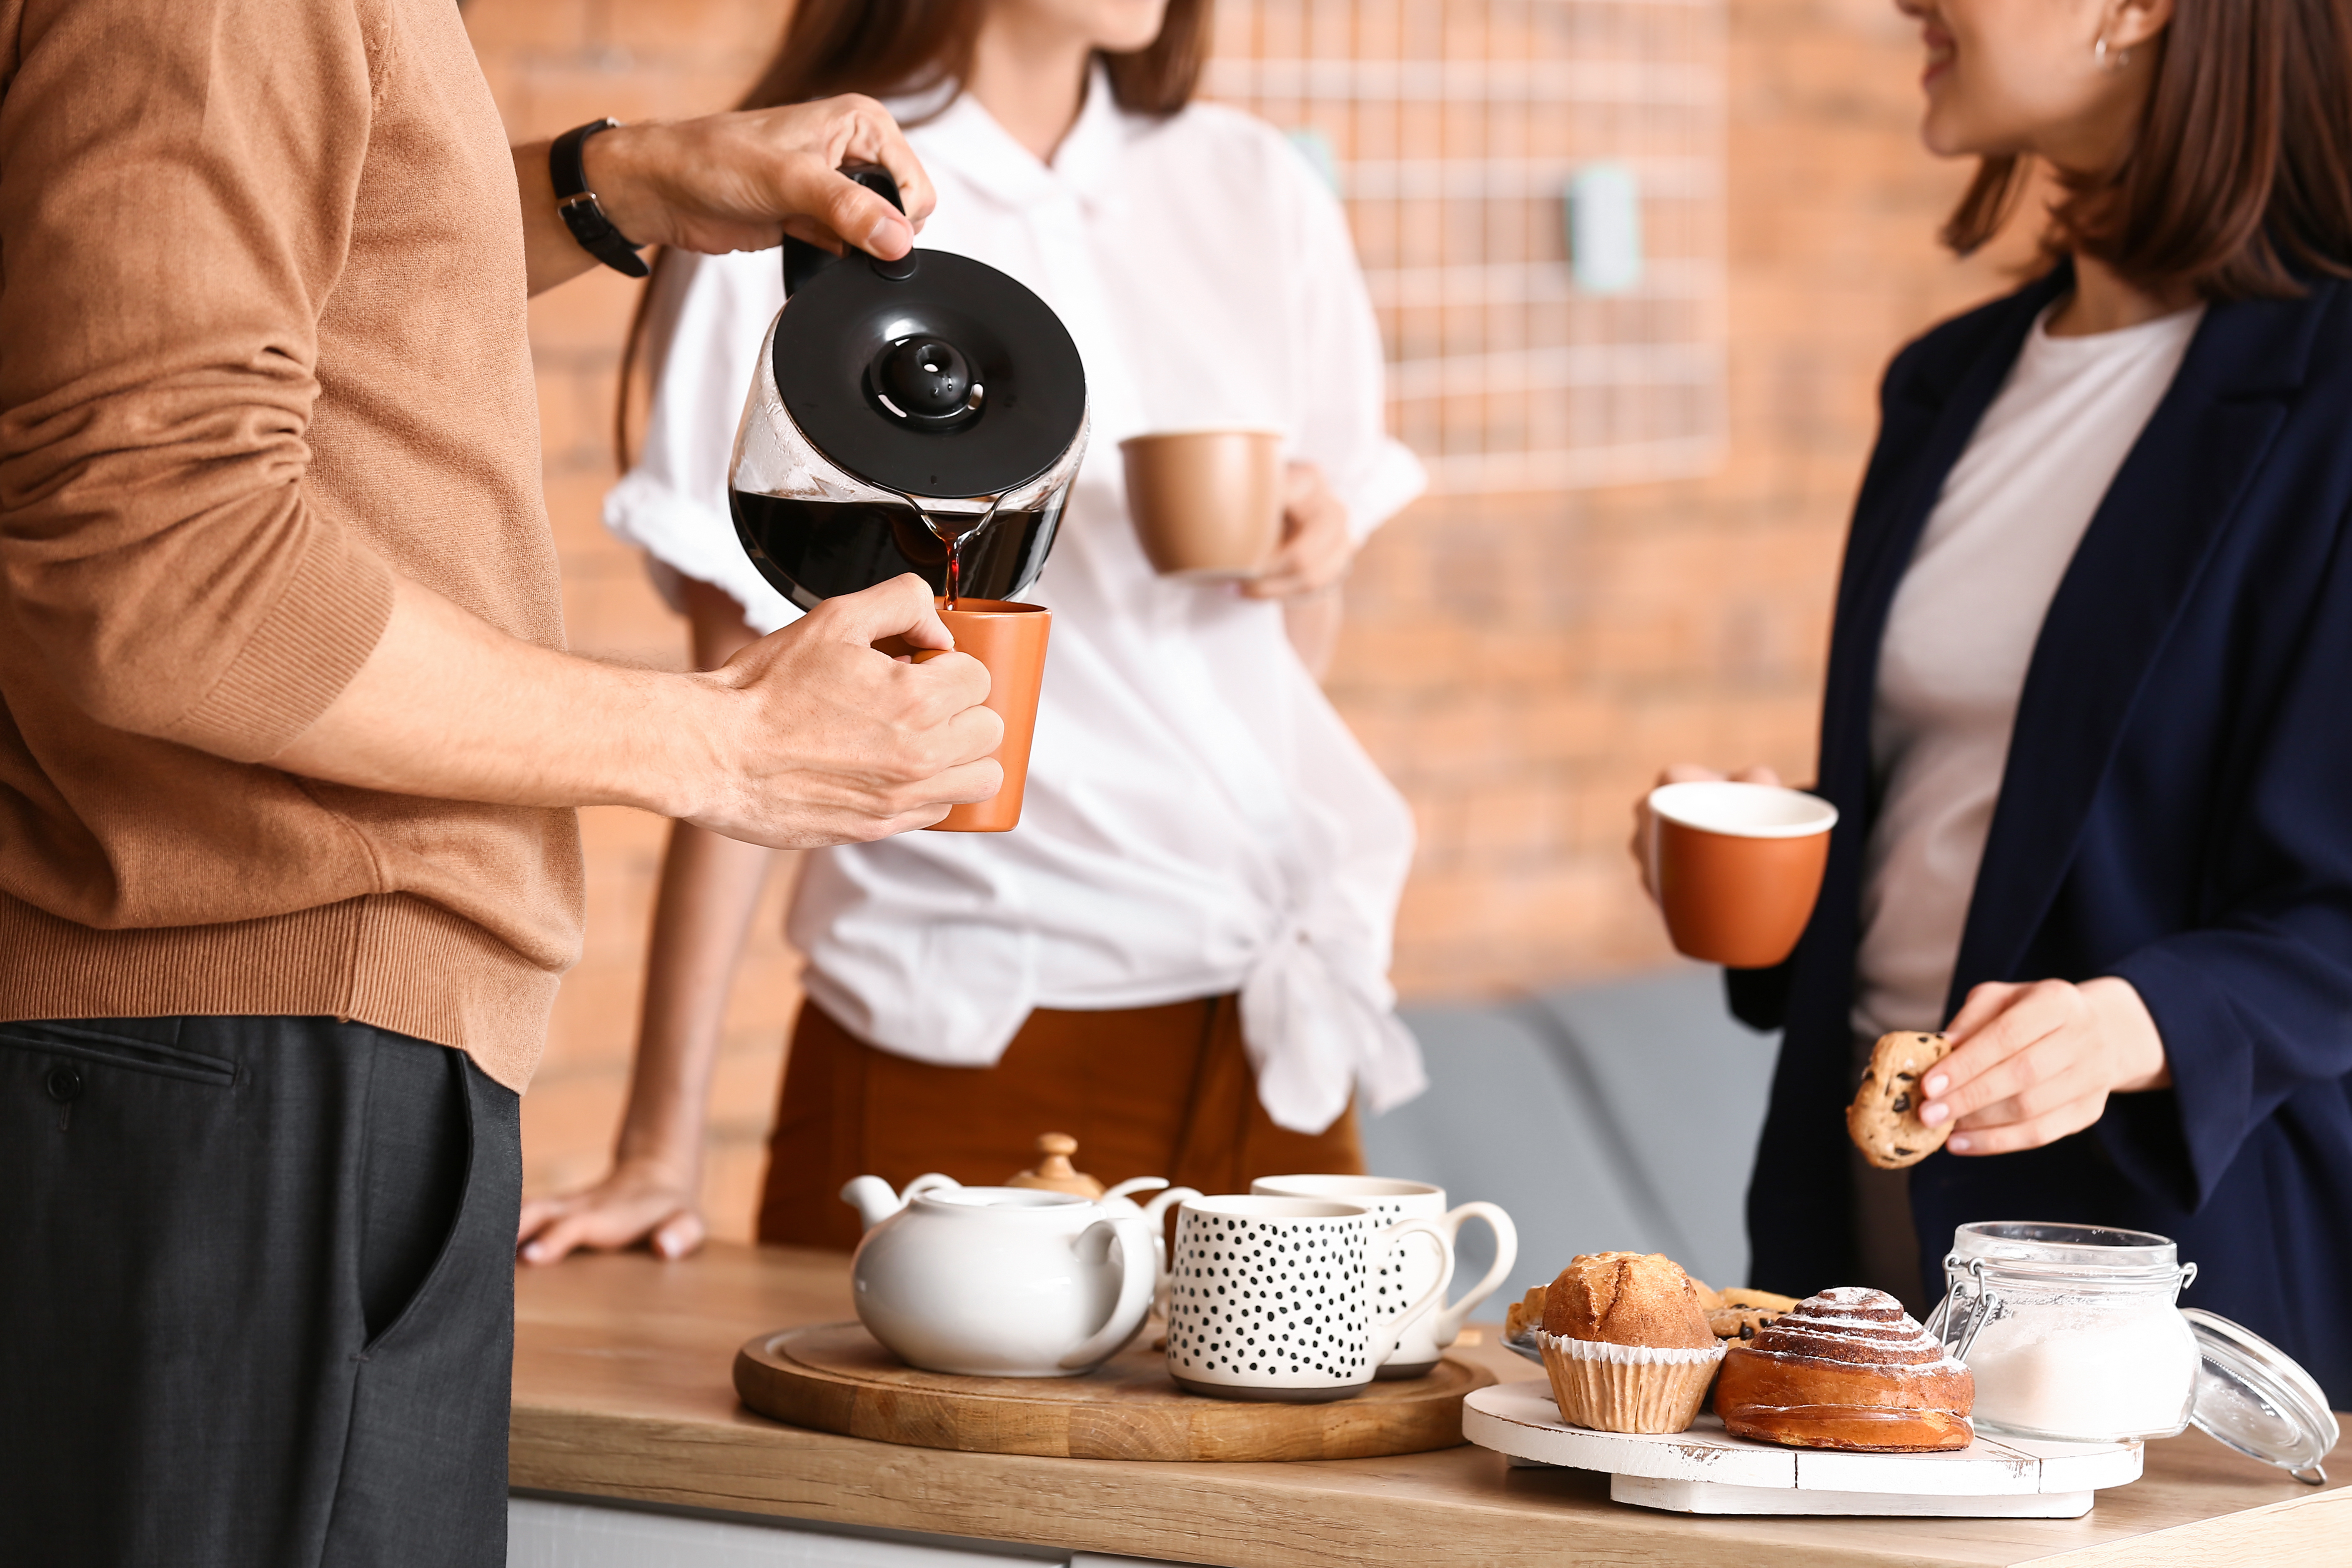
177	190
2255	1006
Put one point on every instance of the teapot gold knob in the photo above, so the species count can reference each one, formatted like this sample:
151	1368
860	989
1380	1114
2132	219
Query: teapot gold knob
1053	1171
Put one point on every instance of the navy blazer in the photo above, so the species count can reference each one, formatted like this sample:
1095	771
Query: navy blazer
2177	810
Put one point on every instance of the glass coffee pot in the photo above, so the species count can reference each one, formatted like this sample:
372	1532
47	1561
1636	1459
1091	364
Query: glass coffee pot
926	415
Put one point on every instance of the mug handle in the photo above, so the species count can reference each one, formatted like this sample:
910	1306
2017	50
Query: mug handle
1449	1320
1155	1215
1395	1237
1138	1273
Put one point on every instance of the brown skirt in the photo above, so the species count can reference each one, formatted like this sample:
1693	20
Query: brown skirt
1147	1092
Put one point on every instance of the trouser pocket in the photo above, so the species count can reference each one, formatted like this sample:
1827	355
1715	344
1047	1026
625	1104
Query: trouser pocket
71	1061
413	1181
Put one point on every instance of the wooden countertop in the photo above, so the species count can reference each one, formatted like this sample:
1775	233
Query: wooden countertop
622	1390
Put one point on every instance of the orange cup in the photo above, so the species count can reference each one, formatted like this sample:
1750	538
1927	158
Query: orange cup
1738	867
1009	638
1206	504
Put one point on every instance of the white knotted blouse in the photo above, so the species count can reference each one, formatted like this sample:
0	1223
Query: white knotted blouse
1199	821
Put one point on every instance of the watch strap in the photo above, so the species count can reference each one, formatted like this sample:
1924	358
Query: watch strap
577	203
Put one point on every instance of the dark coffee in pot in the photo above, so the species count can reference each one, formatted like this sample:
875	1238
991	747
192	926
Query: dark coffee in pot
813	550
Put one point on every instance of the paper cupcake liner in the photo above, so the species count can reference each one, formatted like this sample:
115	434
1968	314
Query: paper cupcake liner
1627	1388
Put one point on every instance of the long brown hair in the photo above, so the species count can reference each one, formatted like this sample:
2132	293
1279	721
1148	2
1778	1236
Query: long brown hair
906	48
2240	175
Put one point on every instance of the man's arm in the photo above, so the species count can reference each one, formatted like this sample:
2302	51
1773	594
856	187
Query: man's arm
176	188
732	182
806	736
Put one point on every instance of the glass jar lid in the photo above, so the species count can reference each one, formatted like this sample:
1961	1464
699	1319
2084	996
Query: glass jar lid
2253	1396
2079	1256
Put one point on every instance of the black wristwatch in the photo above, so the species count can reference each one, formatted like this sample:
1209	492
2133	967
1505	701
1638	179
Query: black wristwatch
577	203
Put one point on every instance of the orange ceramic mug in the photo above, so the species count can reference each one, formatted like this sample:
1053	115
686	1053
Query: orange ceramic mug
1738	866
1206	504
1009	638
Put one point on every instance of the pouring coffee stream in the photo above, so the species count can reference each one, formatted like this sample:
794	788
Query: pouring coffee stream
925	414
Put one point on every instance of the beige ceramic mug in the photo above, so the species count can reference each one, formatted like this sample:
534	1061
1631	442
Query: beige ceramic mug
1206	504
1391	1199
1736	867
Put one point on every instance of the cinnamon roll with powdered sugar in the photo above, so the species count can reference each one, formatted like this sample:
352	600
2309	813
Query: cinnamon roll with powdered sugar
1846	1369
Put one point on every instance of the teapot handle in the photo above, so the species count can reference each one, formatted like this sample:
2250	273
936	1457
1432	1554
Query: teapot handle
1137	1275
803	260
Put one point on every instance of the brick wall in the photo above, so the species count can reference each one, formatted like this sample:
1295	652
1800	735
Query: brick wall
1520	667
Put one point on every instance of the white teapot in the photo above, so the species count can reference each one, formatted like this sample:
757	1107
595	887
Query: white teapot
1000	1281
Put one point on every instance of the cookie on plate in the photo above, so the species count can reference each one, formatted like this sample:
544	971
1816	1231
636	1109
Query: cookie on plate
1884	1119
1738	1314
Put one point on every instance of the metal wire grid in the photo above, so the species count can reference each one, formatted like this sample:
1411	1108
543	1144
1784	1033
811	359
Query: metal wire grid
1454	127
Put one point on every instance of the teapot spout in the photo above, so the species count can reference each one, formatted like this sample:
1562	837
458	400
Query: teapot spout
875	1201
871	1198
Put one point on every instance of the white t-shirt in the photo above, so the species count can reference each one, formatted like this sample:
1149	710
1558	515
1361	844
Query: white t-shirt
1961	632
1198	819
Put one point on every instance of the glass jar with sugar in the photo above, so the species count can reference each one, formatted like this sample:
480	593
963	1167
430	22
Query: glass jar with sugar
2070	1331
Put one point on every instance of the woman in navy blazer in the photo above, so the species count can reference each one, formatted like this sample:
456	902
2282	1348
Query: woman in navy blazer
2175	808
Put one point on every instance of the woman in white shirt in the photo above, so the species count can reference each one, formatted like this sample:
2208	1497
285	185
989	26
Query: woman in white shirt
1180	956
2084	711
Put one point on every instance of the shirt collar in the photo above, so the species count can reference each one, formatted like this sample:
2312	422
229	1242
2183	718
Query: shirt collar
966	139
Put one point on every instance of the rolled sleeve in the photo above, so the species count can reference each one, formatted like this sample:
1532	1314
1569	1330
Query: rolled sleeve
176	185
1343	423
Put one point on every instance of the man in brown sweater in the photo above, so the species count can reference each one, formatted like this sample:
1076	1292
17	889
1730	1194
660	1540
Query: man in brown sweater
290	742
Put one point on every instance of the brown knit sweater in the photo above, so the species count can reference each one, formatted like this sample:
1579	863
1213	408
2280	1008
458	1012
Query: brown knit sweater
262	347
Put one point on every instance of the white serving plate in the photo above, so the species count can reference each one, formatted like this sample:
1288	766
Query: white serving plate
1708	1470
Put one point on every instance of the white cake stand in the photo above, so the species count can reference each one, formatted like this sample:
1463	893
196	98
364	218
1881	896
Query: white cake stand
1707	1470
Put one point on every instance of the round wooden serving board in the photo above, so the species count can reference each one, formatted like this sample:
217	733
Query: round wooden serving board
834	1377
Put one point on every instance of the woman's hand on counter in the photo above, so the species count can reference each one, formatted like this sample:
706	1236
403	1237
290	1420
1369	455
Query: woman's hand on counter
2032	1063
642	1200
1683	773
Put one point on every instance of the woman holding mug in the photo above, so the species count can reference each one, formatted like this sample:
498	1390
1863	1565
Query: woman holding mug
2086	722
1180	956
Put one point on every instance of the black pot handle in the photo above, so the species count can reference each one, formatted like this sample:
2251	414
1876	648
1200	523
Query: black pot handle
803	260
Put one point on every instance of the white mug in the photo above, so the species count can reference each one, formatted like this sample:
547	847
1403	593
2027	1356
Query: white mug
1271	1298
1391	1200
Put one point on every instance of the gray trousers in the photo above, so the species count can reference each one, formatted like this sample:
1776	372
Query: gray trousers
256	1295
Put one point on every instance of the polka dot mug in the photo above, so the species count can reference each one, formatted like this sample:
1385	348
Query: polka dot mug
1270	1298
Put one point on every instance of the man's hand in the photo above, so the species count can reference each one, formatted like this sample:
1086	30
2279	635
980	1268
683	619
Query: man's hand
733	182
1317	548
2031	1064
1683	773
806	737
837	744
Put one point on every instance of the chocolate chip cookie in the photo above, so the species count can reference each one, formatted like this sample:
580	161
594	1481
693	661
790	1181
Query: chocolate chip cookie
1884	1119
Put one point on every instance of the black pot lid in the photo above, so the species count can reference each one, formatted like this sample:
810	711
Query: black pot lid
930	375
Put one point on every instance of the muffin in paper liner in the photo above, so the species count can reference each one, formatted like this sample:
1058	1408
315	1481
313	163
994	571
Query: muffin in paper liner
1627	1388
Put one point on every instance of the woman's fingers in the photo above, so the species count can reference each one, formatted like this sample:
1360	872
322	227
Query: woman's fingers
680	1234
1999	1023
2043	1115
556	1242
1316	546
2034	1063
635	1202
